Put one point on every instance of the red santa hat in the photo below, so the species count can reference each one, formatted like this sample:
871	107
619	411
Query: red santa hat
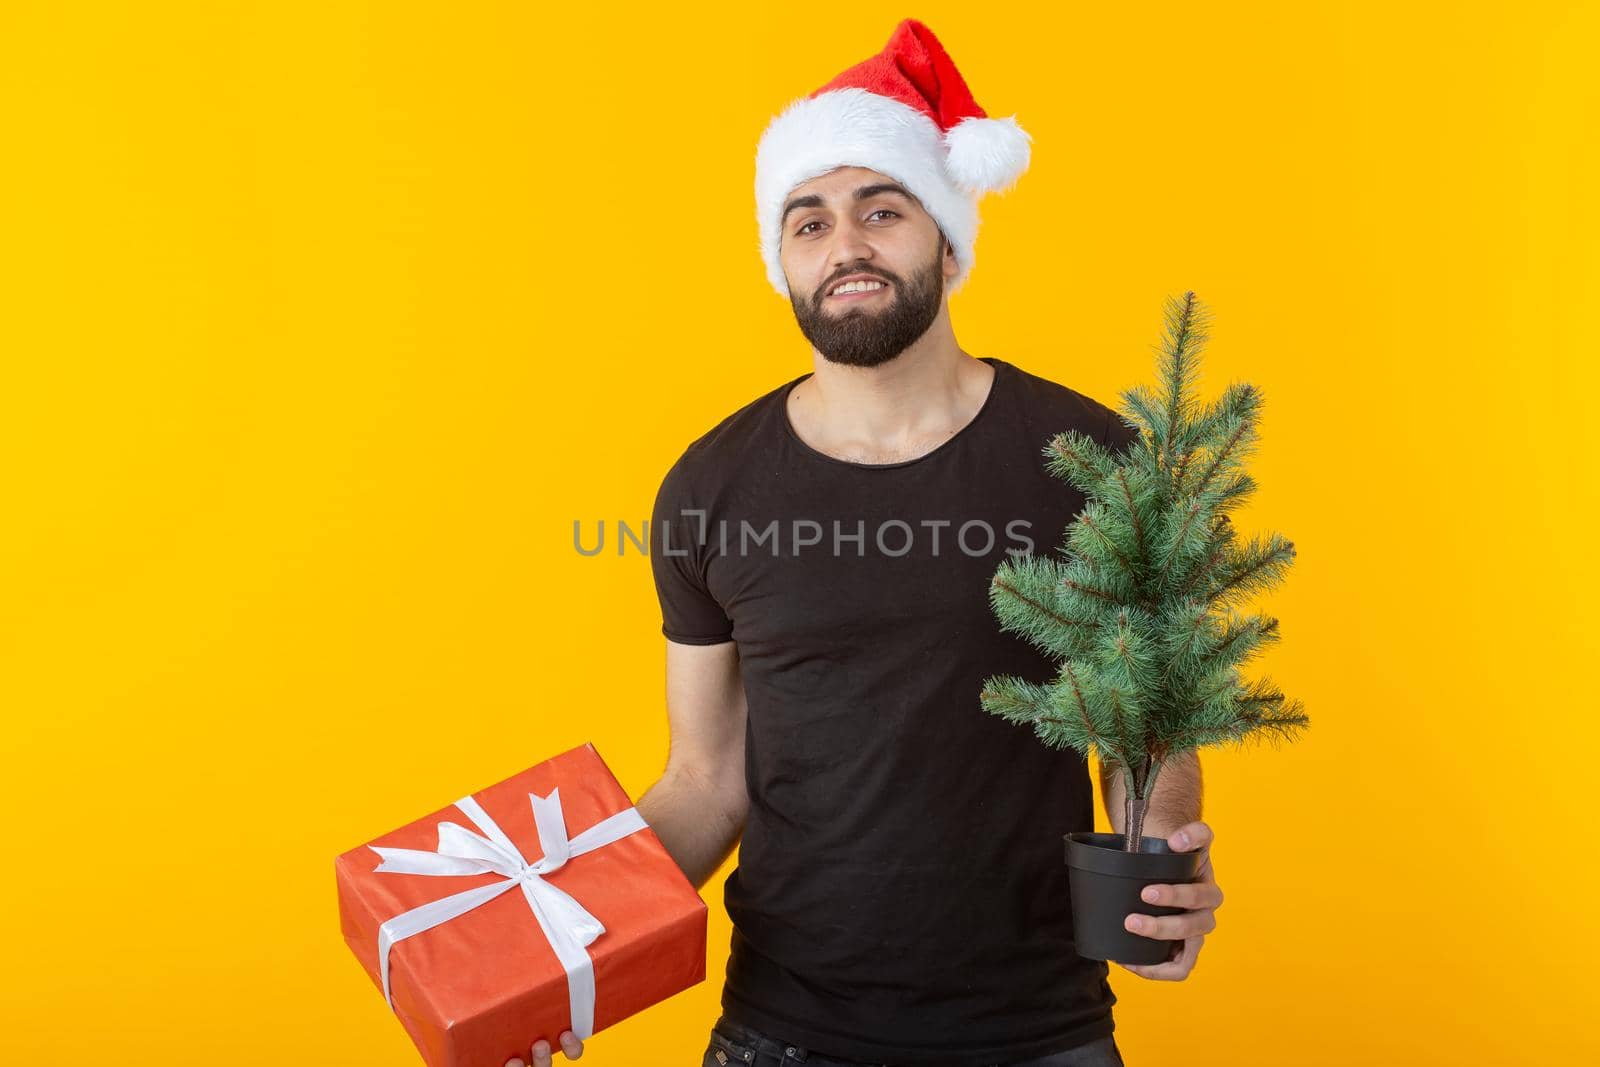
907	113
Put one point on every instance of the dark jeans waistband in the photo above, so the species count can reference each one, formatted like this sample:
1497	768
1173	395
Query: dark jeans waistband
1102	1052
767	1045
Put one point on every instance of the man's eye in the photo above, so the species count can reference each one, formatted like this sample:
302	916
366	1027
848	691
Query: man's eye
880	211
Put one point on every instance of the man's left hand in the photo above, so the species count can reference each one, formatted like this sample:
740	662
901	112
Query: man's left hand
1201	897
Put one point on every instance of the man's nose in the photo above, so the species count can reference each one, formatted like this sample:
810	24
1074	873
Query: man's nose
850	245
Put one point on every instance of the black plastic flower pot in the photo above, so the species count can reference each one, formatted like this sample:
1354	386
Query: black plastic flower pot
1106	882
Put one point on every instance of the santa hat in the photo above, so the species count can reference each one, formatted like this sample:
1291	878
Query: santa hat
906	113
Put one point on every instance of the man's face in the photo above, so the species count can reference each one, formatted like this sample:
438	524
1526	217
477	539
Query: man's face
854	223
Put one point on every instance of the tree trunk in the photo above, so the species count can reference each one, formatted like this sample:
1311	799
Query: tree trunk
1138	803
1133	820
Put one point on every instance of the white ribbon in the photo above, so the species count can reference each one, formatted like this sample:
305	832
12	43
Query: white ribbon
568	927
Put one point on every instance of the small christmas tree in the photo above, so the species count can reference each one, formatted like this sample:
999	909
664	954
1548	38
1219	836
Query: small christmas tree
1139	612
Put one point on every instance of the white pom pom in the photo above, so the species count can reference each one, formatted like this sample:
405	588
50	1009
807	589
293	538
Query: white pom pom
987	155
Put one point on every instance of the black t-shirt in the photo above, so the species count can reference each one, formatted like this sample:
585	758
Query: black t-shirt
901	893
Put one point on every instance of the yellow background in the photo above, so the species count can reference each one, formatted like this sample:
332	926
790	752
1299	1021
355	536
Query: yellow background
322	323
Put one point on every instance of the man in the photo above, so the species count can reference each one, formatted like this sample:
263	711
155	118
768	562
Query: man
822	558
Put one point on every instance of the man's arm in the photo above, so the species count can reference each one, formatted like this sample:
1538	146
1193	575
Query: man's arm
1176	801
1173	814
698	806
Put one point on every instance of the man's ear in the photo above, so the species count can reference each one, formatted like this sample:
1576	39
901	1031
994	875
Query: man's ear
949	259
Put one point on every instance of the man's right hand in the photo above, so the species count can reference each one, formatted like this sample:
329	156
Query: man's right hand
541	1051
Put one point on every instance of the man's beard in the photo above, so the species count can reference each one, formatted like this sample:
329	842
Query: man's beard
862	338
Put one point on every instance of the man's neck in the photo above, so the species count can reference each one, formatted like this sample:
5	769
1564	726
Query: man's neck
893	412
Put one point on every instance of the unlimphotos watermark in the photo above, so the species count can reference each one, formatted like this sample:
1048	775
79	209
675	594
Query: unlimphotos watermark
891	537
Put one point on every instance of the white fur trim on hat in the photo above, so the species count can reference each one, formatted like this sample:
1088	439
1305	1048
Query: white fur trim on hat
987	155
857	128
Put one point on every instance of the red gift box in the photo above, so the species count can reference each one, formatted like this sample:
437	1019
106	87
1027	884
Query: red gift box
549	901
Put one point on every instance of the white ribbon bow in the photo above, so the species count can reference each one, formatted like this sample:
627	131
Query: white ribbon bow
568	927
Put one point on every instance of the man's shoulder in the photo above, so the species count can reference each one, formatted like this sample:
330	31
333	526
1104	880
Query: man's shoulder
730	442
1062	407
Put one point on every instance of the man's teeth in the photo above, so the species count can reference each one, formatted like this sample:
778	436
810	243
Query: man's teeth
856	287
